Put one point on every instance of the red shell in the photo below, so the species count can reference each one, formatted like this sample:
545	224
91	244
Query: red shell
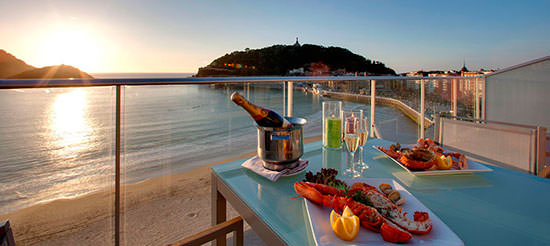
417	164
394	234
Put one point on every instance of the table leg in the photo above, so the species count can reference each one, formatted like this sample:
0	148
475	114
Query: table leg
218	212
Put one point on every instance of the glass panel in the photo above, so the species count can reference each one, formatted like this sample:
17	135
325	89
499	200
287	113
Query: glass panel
171	135
466	98
397	108
56	157
438	100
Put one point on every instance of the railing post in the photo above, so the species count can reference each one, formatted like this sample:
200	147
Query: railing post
372	106
540	162
422	111
455	93
284	98
437	127
247	90
117	165
290	101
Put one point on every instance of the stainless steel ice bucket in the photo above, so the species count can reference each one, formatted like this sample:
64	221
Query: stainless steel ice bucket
281	148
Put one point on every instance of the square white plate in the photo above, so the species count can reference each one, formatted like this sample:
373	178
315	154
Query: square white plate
473	167
319	218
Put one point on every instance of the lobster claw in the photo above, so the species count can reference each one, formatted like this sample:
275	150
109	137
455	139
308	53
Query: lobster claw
392	233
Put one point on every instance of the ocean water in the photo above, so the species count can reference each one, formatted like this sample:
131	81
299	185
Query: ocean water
60	143
140	75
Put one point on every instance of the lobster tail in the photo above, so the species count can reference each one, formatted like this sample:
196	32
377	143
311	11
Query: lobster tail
308	192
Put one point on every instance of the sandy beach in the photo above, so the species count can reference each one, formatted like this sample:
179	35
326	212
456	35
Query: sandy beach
156	211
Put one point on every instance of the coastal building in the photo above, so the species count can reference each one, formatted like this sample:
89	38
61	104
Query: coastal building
463	69
296	72
318	69
416	74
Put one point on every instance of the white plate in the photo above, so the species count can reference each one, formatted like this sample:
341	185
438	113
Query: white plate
473	167
319	218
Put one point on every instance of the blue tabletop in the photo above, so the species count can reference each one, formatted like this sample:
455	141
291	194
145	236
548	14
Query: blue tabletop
502	207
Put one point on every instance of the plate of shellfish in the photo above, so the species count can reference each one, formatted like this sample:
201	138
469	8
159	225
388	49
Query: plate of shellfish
382	207
426	157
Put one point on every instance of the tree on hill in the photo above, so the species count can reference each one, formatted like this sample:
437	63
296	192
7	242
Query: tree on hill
279	60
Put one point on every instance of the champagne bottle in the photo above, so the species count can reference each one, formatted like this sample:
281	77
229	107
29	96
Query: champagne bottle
264	117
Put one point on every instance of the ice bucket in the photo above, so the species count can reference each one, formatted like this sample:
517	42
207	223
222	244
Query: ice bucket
281	148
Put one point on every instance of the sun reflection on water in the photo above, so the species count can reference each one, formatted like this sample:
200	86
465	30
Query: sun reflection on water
70	130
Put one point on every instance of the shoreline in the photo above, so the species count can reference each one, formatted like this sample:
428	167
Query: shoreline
185	197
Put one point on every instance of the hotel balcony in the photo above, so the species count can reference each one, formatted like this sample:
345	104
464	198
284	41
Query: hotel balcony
126	161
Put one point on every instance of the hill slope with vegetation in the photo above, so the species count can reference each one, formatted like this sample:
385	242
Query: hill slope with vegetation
13	68
52	72
10	65
300	60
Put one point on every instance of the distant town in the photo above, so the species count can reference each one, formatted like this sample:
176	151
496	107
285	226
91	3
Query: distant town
464	72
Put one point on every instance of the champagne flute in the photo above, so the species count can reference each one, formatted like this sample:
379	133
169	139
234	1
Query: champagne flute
363	133
351	139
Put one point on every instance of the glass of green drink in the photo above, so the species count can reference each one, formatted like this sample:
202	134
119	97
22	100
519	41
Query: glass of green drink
332	124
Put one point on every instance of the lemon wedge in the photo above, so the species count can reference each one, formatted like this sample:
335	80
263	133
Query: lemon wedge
347	212
334	217
345	226
444	162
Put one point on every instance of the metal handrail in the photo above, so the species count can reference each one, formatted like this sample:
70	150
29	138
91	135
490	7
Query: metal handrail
48	83
487	121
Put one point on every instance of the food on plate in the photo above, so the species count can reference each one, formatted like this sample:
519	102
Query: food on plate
332	197
421	224
347	212
396	147
444	162
345	226
375	211
385	188
333	217
462	163
392	194
326	176
396	198
391	233
420	157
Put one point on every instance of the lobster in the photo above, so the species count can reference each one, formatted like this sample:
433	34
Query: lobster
368	216
425	145
421	224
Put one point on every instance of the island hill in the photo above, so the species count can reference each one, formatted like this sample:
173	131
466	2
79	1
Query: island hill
13	68
293	60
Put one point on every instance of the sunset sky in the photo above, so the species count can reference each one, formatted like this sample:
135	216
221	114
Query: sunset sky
181	36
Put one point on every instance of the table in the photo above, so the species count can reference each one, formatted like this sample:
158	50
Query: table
502	207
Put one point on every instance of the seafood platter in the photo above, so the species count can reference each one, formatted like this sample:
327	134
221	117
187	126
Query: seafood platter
428	158
380	207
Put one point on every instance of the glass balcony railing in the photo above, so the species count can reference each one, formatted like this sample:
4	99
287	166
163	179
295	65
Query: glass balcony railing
77	155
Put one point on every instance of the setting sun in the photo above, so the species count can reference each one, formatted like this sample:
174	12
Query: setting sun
71	46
